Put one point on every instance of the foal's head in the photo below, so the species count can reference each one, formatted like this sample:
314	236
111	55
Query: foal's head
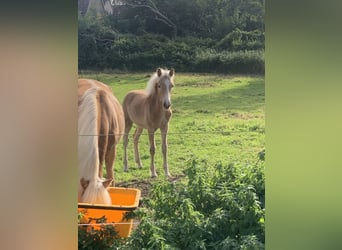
161	83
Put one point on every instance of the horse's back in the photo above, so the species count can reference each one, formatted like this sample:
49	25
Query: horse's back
111	114
109	105
134	96
134	105
85	84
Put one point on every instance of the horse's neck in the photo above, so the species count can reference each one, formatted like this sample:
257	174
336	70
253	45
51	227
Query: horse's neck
155	104
157	112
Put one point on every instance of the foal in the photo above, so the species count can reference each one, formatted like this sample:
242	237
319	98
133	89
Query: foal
149	109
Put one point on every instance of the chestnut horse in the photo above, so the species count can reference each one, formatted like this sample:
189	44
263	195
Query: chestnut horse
149	109
100	127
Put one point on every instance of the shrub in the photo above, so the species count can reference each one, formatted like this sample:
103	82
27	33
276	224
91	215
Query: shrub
100	47
106	237
242	40
211	60
94	42
218	208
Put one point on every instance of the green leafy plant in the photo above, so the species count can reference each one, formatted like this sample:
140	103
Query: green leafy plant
218	208
90	238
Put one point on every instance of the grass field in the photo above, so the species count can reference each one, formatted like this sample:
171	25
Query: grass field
215	118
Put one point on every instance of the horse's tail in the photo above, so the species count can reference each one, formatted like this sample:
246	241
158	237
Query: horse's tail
88	153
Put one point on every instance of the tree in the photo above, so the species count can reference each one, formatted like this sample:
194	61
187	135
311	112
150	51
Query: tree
152	8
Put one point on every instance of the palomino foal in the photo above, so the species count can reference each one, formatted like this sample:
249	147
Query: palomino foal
149	109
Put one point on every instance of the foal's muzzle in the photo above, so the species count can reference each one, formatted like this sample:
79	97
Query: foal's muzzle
167	105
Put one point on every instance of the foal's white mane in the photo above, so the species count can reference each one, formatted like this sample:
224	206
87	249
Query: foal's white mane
154	79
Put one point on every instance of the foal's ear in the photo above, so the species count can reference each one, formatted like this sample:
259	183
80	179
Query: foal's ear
172	72
107	182
159	72
84	183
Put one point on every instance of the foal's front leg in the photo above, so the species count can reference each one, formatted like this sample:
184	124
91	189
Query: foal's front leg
164	150
136	137
128	126
152	152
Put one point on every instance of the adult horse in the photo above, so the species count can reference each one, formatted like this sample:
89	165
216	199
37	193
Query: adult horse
100	127
149	109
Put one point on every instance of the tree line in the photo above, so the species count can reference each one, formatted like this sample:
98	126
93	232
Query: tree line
224	36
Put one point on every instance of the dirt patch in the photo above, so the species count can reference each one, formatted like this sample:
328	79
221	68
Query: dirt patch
145	185
244	116
142	185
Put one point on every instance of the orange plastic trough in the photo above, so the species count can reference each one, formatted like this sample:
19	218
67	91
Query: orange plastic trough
123	200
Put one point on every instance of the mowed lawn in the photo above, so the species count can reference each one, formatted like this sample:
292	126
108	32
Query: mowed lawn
215	118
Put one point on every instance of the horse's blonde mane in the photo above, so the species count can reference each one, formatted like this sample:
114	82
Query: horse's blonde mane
154	79
96	193
88	156
87	131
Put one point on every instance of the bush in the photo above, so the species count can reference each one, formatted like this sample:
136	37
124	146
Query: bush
106	237
219	208
242	40
230	62
94	42
100	47
148	52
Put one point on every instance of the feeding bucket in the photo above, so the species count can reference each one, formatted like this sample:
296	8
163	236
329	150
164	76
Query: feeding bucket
123	200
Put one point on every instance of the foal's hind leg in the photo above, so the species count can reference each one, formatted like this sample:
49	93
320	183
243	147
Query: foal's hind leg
128	126
136	137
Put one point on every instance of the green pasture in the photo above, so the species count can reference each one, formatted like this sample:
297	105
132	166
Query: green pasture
215	118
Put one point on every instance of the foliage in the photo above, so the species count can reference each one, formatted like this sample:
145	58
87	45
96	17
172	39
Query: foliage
145	34
147	52
90	238
242	40
219	208
211	60
202	18
95	39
